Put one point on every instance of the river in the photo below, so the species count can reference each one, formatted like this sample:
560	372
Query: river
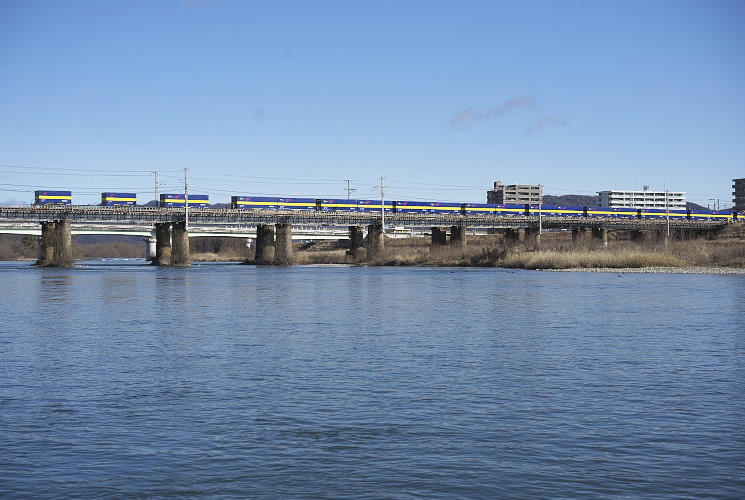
122	380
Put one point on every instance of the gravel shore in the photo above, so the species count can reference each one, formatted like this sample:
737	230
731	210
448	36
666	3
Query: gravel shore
668	270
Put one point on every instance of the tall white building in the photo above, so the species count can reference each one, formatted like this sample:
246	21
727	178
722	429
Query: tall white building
643	199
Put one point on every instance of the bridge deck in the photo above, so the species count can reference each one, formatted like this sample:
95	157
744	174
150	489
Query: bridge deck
238	218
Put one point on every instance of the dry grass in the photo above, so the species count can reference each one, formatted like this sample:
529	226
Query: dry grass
556	251
322	257
217	257
589	258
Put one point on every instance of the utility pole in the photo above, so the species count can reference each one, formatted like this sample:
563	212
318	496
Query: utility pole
157	199
540	209
382	203
667	211
349	189
186	198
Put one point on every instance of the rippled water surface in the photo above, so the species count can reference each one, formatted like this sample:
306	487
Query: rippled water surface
121	380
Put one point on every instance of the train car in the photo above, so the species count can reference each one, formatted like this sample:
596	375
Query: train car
118	199
479	208
495	209
612	212
556	211
661	213
296	203
178	200
373	206
253	202
52	197
723	215
333	205
411	207
447	208
699	214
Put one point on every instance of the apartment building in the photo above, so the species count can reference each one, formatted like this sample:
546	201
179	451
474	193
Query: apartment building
515	194
738	193
672	200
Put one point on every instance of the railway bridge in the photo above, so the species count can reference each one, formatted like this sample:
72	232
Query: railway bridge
273	230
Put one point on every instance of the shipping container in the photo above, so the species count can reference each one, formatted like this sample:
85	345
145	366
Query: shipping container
296	203
253	202
118	199
52	197
178	200
373	206
329	205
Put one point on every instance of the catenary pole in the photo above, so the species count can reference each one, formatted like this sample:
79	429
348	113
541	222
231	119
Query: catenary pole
186	198
382	203
157	199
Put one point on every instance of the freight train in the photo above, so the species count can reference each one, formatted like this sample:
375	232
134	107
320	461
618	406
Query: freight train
493	209
402	207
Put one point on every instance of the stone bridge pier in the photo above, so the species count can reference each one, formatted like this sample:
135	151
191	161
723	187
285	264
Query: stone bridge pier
357	248
439	239
171	244
162	244
264	244
375	242
55	245
274	244
180	245
283	244
458	237
601	233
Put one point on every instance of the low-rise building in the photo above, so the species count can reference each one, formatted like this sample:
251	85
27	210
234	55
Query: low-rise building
738	193
515	194
673	200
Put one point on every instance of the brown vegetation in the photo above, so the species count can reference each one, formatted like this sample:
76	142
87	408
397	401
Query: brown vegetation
556	251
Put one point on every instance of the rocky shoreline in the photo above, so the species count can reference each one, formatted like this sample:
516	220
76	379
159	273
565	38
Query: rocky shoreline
658	270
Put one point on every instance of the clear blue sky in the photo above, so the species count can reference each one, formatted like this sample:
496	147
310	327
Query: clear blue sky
440	97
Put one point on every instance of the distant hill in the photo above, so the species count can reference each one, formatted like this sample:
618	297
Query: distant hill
570	200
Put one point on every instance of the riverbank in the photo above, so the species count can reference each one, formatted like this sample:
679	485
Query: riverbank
556	251
655	270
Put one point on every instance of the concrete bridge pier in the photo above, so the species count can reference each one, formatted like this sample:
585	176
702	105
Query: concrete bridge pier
63	252
511	234
150	248
283	244
601	233
46	244
578	233
356	242
162	244
439	239
458	237
55	246
532	235
180	245
265	250
375	242
638	235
